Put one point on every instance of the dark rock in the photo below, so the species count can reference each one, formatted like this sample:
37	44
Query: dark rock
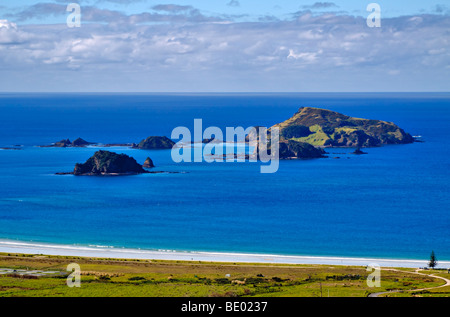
109	163
299	150
63	143
296	131
80	142
358	152
293	150
148	163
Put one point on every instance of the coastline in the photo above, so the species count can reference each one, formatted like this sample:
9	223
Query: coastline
13	246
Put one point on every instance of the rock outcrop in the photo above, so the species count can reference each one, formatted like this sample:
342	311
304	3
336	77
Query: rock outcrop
301	150
80	142
148	163
358	152
109	163
291	150
67	143
62	143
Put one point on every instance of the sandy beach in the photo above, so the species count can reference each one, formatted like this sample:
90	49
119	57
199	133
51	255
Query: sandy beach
12	246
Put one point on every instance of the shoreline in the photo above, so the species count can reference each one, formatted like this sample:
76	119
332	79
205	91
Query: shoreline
13	246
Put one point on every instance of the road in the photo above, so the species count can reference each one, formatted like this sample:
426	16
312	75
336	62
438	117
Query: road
447	283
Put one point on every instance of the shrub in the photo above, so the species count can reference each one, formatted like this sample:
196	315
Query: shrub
137	278
222	281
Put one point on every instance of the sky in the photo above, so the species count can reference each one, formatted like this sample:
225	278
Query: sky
224	46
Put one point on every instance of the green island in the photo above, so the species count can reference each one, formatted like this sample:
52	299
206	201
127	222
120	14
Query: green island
326	128
104	277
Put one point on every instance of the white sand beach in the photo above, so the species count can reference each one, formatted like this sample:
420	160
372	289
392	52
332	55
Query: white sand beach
12	246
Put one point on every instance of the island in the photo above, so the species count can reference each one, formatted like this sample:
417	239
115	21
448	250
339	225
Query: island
67	143
155	143
310	130
109	163
105	163
326	128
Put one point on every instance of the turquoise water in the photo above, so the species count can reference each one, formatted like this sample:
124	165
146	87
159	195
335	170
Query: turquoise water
392	203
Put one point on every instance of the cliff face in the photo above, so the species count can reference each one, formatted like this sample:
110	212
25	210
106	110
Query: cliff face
320	127
109	163
302	150
156	143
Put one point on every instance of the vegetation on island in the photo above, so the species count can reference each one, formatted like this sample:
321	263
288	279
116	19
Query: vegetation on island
321	127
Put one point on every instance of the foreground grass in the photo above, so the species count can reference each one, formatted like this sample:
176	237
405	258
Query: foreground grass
137	278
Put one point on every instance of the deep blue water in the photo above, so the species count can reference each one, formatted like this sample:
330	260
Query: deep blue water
393	202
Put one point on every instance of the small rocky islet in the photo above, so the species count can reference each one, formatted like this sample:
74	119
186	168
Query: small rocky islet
105	163
67	143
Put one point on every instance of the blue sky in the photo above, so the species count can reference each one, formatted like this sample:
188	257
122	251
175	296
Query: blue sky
391	8
224	45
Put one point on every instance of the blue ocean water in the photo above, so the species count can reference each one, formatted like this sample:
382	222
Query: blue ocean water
392	203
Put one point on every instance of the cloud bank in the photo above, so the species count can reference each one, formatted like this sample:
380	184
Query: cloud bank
179	48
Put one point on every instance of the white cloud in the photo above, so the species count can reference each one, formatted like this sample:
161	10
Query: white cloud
7	25
306	57
320	50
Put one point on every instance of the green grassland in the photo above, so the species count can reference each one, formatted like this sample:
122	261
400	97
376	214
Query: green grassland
137	278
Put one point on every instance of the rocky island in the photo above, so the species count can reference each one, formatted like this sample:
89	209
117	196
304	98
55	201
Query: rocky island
105	163
155	143
67	143
310	130
150	143
109	163
326	128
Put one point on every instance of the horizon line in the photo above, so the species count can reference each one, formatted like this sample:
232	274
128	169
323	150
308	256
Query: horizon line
224	92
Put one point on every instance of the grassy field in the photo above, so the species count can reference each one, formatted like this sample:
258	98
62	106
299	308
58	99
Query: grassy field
136	278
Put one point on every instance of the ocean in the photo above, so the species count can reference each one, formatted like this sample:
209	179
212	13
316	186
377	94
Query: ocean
393	202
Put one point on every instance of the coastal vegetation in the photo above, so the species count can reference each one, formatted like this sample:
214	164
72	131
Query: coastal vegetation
102	277
433	260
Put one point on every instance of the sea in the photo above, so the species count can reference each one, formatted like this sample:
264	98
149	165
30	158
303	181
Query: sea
393	202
